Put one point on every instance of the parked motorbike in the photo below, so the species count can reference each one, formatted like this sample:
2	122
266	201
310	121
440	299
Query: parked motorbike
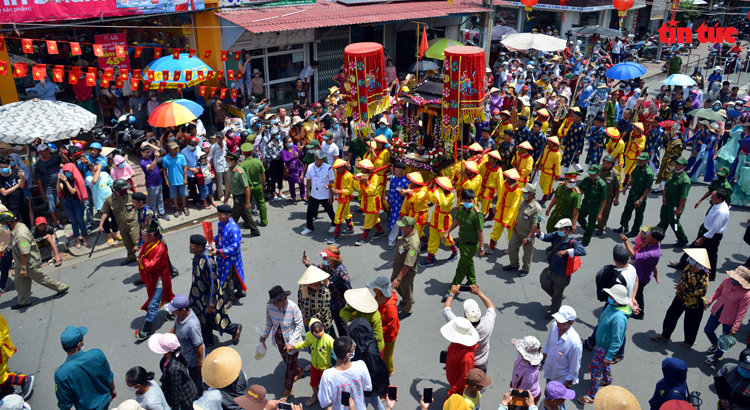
128	136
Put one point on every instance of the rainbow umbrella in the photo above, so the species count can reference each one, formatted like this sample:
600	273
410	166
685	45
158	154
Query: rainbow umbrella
193	106
171	113
183	64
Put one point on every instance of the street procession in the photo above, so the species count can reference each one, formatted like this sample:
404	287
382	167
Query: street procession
491	184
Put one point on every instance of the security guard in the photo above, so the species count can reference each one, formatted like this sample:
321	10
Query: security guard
470	238
120	204
256	180
594	198
240	190
523	232
405	258
640	185
567	202
720	182
28	261
673	201
611	177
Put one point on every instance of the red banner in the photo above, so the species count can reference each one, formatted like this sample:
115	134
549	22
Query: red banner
364	69
57	75
157	53
463	88
28	47
19	70
109	58
3	68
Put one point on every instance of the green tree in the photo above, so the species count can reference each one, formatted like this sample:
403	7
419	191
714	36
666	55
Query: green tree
686	11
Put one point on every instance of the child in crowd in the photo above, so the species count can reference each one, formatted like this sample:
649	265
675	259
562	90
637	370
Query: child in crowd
321	345
205	180
43	232
527	365
476	380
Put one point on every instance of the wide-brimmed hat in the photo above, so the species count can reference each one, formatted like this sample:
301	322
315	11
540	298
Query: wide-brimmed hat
476	147
383	284
615	398
525	145
365	164
339	163
361	300
525	100
494	90
277	294
512	173
554	140
495	154
296	120
529	348
381	139
471	166
700	255
461	331
162	343
313	274
255	399
612	132
444	182
742	275
129	404
415	178
222	367
619	294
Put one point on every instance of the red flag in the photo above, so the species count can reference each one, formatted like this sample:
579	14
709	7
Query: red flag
38	73
104	81
177	75
92	70
60	67
52	47
108	73
75	70
19	70
90	79
98	51
176	54
200	76
165	75
423	46
3	68
162	86
136	74
138	51
157	53
120	51
28	47
220	74
239	75
192	52
75	49
73	78
223	93
234	94
230	75
223	55
236	56
134	83
188	75
2	43
208	231
213	91
180	86
202	91
57	75
211	74
207	54
124	73
150	75
146	85
118	82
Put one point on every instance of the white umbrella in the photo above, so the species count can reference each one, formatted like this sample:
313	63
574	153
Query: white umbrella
22	122
679	79
526	41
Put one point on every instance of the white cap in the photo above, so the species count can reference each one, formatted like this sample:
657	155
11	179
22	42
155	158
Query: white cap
41	147
13	402
564	314
638	90
472	311
564	223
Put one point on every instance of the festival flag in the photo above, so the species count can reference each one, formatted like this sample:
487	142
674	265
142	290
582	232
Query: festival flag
136	74
223	93
52	47
118	82
207	54
75	70
423	46
150	75
223	55
200	76
138	51
177	75
109	73
157	53
98	51
162	86
230	75
213	91
124	73
19	70
202	91
176	54
211	74
2	43
234	94
220	74
104	81
73	78
192	53
188	75
120	52
165	75
3	67
28	47
180	86
236	56
238	75
57	75
208	231
146	85
75	49
92	70
38	73
134	83
90	79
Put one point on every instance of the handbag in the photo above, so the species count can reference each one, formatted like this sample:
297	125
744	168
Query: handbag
573	264
286	172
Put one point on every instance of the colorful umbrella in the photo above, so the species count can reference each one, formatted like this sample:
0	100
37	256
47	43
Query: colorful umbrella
183	64
193	106
679	79
171	113
438	45
626	71
707	114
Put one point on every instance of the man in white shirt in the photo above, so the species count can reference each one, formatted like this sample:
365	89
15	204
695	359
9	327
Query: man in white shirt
616	49
711	232
319	178
216	156
284	122
339	134
563	350
345	376
307	73
329	147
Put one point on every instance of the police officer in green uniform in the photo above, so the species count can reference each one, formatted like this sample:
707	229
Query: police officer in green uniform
640	183
405	258
611	176
240	190
120	204
27	262
719	183
256	179
567	202
673	201
594	197
523	231
470	238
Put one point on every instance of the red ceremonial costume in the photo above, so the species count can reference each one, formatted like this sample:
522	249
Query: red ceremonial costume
153	264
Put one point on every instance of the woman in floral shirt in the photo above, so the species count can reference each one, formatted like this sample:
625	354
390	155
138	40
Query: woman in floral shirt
338	283
690	298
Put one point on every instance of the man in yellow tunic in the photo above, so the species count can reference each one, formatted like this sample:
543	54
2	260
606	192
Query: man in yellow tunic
10	379
505	124
476	151
441	194
343	188
543	116
634	148
370	190
379	156
508	200
492	178
415	204
549	166
615	147
470	179
524	163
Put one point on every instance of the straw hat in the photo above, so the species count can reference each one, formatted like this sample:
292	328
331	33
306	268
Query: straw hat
361	300
313	274
530	349
443	182
525	100
339	163
365	164
476	147
742	275
613	132
129	404
415	177
512	173
525	145
494	90
700	255
554	140
381	139
461	331
638	125
296	120
619	294
471	166
543	112
615	398
495	154
222	367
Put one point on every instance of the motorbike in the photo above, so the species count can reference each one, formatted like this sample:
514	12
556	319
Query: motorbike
731	63
127	135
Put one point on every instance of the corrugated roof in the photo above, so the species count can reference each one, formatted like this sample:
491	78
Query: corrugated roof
329	14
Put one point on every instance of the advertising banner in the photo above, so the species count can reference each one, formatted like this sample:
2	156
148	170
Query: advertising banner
108	43
22	11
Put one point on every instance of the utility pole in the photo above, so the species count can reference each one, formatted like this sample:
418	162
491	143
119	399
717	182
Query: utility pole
487	23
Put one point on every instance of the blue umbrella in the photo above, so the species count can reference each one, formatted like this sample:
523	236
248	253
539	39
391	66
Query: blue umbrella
192	106
183	64
679	79
626	71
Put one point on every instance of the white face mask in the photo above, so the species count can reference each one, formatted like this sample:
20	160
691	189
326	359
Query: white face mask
133	389
570	185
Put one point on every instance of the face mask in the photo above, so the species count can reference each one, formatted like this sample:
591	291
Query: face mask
335	126
68	174
561	234
467	205
6	227
679	170
611	302
5	171
325	262
171	138
123	192
570	185
213	101
290	145
692	261
121	165
192	148
12	163
525	196
382	126
716	108
132	388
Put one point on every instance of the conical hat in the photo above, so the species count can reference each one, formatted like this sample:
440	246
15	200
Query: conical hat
313	274
471	166
476	147
613	132
365	164
222	367
543	112
638	125
339	163
525	145
512	174
554	140
444	182
495	154
361	300
415	177
615	398
700	255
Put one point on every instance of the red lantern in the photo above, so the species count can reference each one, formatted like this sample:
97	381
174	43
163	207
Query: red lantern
529	4
622	6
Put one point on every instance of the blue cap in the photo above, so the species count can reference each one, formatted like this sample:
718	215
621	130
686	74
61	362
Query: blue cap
72	335
178	302
95	145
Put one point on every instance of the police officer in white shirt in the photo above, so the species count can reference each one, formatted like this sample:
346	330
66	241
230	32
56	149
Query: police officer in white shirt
319	178
563	350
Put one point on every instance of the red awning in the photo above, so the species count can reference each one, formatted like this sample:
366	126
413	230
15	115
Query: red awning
329	14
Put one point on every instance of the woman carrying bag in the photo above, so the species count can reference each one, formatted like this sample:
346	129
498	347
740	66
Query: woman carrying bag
72	191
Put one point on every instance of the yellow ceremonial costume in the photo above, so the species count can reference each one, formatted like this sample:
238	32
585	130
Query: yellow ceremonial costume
475	182
524	164
344	182
416	205
370	199
492	178
634	149
441	217
7	349
616	148
382	157
506	208
549	166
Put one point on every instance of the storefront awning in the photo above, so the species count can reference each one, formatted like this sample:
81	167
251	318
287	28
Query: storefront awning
329	14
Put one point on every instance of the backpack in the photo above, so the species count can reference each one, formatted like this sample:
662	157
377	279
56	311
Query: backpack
607	277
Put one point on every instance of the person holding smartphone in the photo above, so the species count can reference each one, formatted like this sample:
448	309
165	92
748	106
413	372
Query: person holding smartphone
352	376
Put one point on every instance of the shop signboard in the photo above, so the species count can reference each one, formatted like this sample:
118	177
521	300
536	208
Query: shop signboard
22	11
280	3
161	6
110	59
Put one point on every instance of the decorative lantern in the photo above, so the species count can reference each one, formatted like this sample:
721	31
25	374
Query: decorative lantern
529	4
364	70
622	6
463	90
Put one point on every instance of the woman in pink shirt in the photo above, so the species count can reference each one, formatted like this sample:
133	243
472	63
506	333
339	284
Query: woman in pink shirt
122	169
732	299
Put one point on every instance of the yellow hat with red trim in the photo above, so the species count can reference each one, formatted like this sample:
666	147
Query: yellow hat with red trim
415	177
381	139
613	132
554	140
476	147
444	182
638	125
543	112
512	174
506	112
525	145
495	154
339	163
471	166
365	164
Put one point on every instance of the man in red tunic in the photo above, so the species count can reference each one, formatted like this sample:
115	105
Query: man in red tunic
154	268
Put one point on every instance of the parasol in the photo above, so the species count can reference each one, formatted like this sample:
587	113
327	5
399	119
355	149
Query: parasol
23	122
707	114
171	113
527	41
499	32
183	64
601	31
437	46
626	71
679	79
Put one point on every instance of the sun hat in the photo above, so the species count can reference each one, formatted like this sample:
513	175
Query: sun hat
613	132
365	164
129	404
543	112
472	311
554	140
555	390
700	255
471	166
564	223
415	177
361	300
211	400
512	173
476	147
277	294
529	348
638	125
296	120
461	331
676	405
525	100
255	399
615	398
381	139
619	294
525	145
222	367
564	314
742	275
339	163
494	90
15	402
162	343
383	284
495	154
477	377
313	274
444	182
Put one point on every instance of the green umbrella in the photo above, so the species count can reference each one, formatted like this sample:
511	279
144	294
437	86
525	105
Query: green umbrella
707	114
438	46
